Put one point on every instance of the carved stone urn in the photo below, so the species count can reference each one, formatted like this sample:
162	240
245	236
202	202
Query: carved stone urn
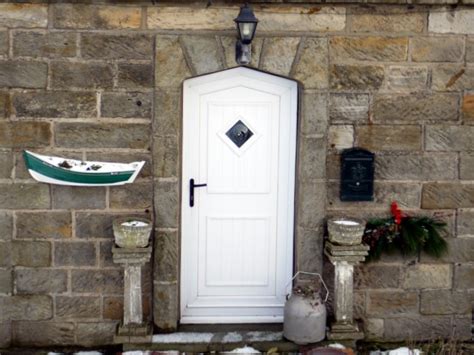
346	231
132	232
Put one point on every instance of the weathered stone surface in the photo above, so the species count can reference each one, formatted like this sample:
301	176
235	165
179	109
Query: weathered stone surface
132	196
165	156
32	254
81	75
437	49
5	254
448	195
387	19
452	77
44	44
97	281
311	206
385	137
21	196
348	108
74	254
393	49
6	226
385	303
341	137
228	43
312	158
37	281
6	281
105	46
166	258
449	138
463	276
467	108
23	15
312	68
411	78
102	135
94	334
51	224
167	112
278	54
166	204
418	327
24	134
356	77
6	162
5	335
465	223
309	249
314	114
43	333
377	276
165	305
95	225
23	74
77	307
125	157
424	166
113	308
4	105
204	53
461	250
444	302
135	76
55	104
451	21
422	276
26	308
374	328
470	49
72	197
170	73
105	254
3	42
96	17
126	105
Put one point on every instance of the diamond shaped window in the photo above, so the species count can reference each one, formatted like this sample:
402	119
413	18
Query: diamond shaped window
239	133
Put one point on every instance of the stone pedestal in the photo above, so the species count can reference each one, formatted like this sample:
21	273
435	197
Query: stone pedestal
344	258
132	329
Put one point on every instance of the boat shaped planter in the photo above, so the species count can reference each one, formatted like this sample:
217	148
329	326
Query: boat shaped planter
61	171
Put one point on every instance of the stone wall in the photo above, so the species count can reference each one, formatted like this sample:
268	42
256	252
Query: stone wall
103	82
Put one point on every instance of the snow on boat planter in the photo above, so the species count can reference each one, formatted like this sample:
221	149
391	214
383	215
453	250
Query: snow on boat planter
61	171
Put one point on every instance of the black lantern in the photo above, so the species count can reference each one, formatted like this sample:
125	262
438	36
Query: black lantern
246	25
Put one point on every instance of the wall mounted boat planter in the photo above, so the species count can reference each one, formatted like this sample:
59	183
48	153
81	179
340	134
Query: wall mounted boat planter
61	171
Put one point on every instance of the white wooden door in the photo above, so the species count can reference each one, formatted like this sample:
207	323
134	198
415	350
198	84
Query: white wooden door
239	138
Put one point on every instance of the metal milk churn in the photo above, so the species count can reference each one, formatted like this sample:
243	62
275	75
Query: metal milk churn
305	313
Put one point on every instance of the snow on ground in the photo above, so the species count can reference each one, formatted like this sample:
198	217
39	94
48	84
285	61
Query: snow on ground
245	350
182	338
399	351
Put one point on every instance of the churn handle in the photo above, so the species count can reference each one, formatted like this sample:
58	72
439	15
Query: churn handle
313	274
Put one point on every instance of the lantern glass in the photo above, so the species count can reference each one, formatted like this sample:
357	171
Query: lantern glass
247	31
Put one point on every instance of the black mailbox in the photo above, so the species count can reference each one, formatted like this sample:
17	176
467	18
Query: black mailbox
357	175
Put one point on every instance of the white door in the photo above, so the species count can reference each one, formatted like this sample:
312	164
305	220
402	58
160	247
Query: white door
239	138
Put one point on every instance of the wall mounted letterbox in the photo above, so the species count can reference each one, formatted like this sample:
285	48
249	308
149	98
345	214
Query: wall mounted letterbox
357	175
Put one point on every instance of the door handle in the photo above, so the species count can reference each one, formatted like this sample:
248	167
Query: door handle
192	186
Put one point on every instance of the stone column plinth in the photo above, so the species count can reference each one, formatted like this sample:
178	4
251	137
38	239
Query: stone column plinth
132	329
344	257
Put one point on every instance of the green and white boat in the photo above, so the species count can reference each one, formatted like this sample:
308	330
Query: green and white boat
62	171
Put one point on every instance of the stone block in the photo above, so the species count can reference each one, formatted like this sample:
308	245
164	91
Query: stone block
377	276
44	44
32	254
73	197
43	333
103	135
418	328
126	105
421	276
26	308
348	108
389	303
416	166
447	195
452	77
165	305
5	335
95	225
385	137
24	134
341	137
463	276
132	196
314	114
278	54
166	204
65	75
77	307
74	254
105	254
6	225
309	249
467	108
204	53
135	76
460	250
38	281
373	48
124	157
24	196
97	281
113	308
23	74
167	112
5	254
3	42
312	158
312	203
356	77
437	49
6	282
451	21
166	259
470	49
106	46
95	334
5	104
393	19
312	67
23	15
465	223
85	16
165	156
170	73
415	108
401	78
444	302
51	224
374	328
228	43
449	138
61	104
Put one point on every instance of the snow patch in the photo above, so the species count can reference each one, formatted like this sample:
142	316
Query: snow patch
346	223
183	338
232	337
134	224
88	353
264	336
399	351
245	350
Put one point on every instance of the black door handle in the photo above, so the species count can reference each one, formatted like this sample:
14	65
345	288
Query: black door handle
192	185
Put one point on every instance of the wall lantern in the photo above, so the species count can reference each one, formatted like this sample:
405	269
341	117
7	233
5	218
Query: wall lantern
246	25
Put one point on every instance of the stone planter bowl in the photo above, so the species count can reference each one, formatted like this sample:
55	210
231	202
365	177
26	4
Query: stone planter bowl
346	231
131	232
